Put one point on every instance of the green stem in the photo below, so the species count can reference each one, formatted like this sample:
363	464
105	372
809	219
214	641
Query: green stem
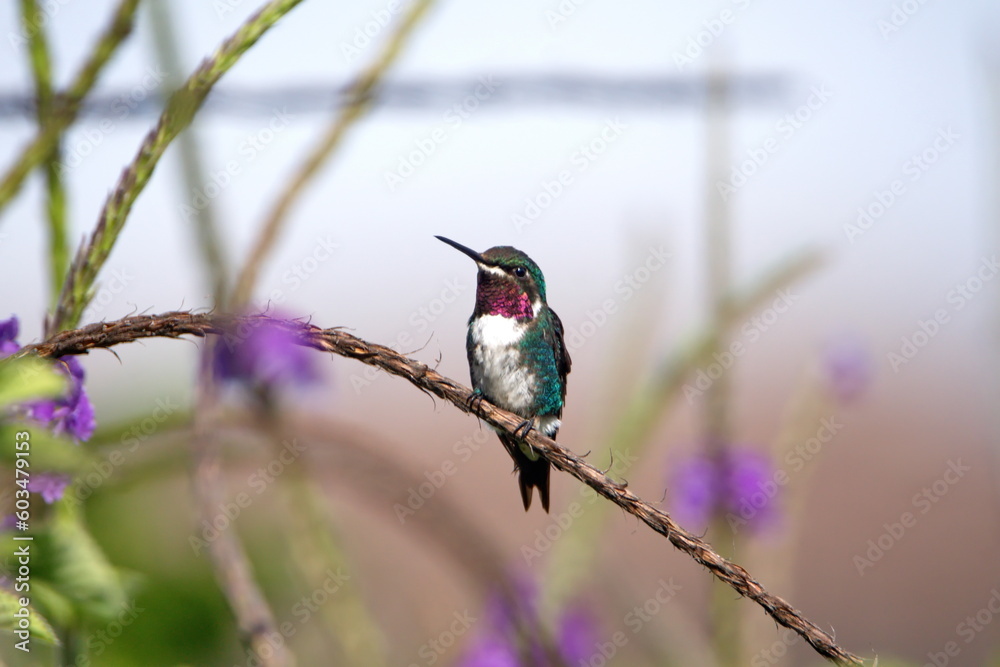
72	648
358	97
233	570
316	550
716	416
67	105
41	69
207	238
181	108
573	555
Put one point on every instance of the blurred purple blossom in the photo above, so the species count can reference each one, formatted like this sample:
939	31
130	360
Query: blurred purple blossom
498	645
8	336
847	367
578	635
490	650
50	485
695	489
268	353
738	485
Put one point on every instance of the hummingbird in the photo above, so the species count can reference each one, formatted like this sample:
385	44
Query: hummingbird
517	355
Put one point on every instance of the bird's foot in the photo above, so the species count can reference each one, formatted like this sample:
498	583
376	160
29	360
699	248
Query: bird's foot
475	402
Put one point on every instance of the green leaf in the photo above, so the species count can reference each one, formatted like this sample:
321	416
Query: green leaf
56	607
10	607
28	379
48	452
77	569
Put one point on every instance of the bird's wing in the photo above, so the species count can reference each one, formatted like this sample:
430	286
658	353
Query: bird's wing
558	345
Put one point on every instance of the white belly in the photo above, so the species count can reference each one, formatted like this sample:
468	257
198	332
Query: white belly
497	370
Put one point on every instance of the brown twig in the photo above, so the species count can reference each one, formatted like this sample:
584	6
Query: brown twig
184	103
176	324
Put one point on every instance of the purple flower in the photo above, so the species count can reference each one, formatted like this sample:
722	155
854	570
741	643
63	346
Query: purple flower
847	367
751	487
738	485
72	414
269	352
8	336
499	643
50	485
490	651
578	635
696	490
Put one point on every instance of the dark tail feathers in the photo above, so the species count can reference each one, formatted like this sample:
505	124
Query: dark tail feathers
531	474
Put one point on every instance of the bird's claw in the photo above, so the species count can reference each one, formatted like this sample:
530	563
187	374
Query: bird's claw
475	402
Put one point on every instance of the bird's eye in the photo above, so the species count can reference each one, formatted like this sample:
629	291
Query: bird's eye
520	272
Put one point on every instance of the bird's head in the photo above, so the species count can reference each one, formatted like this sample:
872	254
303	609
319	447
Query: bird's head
509	283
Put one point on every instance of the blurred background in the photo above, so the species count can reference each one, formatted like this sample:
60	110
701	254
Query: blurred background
814	185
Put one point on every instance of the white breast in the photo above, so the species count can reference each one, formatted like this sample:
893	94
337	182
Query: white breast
496	364
496	330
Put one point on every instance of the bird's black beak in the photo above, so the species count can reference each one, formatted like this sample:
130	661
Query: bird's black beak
461	248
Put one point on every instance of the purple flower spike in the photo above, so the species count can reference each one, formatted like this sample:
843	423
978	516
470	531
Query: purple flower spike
696	490
72	414
269	353
8	336
847	367
739	486
498	643
490	651
578	635
751	488
50	486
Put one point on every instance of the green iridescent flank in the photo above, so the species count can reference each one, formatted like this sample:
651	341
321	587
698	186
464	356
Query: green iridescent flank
540	356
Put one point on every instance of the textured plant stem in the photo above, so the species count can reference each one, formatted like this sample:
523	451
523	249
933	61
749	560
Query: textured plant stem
208	240
41	70
352	457
315	547
176	324
649	402
572	557
67	105
233	571
379	476
358	95
183	104
72	649
716	428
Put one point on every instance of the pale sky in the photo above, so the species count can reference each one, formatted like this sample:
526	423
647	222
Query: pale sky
868	100
900	120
